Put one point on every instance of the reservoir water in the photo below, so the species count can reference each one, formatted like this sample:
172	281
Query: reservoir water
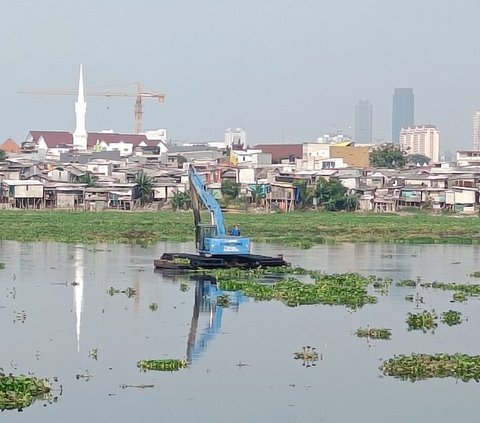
55	311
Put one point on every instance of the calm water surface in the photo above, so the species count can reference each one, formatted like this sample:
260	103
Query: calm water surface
63	322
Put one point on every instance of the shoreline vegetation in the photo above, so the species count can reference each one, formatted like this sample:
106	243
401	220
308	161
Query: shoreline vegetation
297	229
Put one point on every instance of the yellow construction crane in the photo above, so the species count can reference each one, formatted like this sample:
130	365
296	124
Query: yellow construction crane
139	95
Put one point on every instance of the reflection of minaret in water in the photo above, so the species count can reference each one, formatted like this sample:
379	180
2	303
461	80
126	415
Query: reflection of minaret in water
78	290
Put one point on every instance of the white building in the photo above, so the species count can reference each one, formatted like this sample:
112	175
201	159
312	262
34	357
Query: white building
476	130
235	136
421	139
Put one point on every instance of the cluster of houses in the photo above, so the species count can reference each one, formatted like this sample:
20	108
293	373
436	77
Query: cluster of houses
45	172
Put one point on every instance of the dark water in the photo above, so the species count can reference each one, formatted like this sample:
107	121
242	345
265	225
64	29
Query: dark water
64	322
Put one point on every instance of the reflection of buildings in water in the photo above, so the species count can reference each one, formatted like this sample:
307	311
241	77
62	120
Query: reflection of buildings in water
78	289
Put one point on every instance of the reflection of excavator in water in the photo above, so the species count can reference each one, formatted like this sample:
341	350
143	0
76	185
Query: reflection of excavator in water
215	248
206	294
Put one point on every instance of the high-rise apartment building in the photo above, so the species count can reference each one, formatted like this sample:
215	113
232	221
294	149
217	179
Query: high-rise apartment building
403	108
476	130
421	139
363	121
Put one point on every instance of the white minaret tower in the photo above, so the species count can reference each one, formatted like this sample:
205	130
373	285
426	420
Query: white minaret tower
80	134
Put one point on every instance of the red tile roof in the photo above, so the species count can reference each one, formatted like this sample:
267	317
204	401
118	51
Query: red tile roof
10	146
55	139
281	151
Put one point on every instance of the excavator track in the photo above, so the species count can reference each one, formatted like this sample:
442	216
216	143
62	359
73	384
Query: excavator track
196	261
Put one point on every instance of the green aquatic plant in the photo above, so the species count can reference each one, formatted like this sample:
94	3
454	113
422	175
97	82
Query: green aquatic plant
93	353
2	266
452	317
19	392
426	320
129	292
374	333
168	365
424	366
475	274
467	289
153	307
308	355
304	228
348	289
459	296
223	300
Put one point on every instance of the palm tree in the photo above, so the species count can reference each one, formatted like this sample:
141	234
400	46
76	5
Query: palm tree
258	193
350	202
144	187
305	194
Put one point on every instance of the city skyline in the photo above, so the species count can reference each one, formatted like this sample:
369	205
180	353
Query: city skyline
363	122
284	74
403	111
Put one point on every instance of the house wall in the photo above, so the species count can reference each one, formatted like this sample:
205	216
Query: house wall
65	200
28	191
351	155
246	176
465	197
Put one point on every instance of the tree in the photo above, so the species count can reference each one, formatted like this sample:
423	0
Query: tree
181	200
89	179
350	202
388	155
3	155
330	194
304	194
144	187
258	193
417	159
229	189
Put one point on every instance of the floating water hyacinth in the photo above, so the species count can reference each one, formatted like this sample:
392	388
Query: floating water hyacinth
374	333
452	317
18	392
168	365
308	355
426	320
424	366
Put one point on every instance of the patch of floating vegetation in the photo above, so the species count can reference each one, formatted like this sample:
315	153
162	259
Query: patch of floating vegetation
374	333
452	317
168	365
223	300
475	274
19	392
129	292
425	366
467	289
2	266
308	355
426	320
348	289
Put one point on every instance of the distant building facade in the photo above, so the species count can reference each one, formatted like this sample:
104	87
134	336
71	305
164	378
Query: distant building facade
235	136
421	139
402	112
363	122
476	130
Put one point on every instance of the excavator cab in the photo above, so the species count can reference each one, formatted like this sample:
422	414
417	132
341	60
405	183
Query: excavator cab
209	243
202	232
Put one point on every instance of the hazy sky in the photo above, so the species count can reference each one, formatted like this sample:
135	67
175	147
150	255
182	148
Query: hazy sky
284	70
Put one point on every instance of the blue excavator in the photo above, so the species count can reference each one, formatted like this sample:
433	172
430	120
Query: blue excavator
215	248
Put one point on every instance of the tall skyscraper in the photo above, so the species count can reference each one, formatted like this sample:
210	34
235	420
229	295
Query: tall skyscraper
476	130
363	121
403	107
